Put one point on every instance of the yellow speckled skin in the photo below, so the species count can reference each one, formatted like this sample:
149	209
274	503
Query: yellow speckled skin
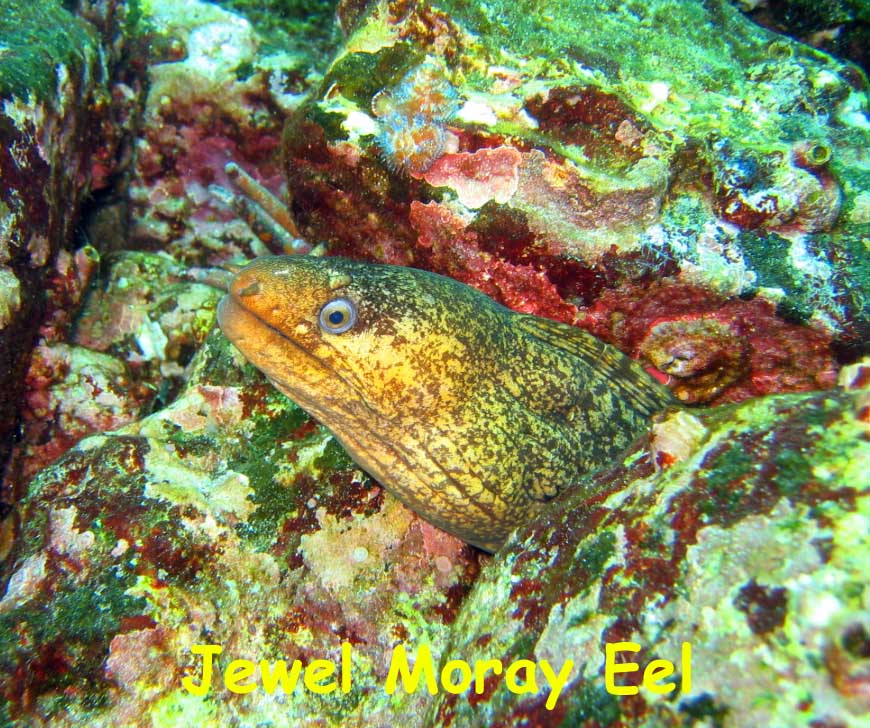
472	414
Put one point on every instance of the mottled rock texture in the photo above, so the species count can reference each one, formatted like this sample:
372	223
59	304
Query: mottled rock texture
841	27
597	148
742	530
134	334
63	113
226	518
218	92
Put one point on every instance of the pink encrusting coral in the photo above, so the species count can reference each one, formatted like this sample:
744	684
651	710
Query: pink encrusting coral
413	118
448	246
478	177
72	392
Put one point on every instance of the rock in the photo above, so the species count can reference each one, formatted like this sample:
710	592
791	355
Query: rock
841	27
557	164
138	328
217	94
60	132
73	392
702	205
749	541
226	518
148	313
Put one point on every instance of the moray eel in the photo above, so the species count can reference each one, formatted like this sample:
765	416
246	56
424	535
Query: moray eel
473	415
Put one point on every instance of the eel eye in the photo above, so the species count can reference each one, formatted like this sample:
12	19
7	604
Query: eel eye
337	316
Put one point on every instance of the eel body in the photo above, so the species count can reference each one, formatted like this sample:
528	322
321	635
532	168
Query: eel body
475	416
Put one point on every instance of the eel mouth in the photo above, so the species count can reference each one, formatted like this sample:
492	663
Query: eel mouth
229	311
257	339
281	358
238	317
223	311
238	322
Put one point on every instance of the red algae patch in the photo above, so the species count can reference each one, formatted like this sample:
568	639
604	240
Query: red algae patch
478	177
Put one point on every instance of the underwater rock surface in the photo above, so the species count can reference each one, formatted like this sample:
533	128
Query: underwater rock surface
218	93
840	27
62	120
226	518
742	530
136	330
724	157
229	518
667	175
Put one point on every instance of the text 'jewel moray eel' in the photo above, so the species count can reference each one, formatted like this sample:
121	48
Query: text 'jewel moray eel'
470	413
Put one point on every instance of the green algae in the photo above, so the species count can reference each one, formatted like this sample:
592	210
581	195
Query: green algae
195	444
851	251
792	471
591	705
308	24
261	460
596	554
278	417
719	476
692	47
82	621
703	711
333	458
275	501
769	256
362	75
217	363
89	613
580	619
35	38
758	472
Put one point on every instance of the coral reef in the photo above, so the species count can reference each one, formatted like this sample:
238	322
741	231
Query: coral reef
670	176
229	518
602	169
714	349
137	330
212	101
73	392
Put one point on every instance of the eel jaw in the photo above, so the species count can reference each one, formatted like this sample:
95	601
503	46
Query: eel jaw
288	365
